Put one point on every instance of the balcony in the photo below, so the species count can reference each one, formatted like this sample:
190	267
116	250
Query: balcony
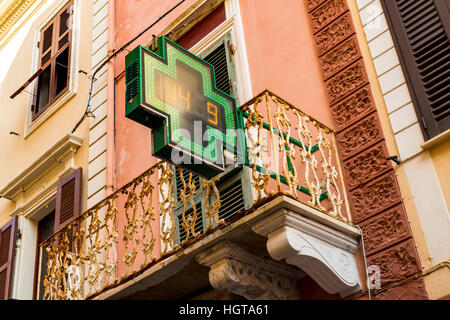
168	222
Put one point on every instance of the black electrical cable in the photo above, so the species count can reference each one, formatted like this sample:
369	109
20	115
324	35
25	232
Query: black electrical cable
113	55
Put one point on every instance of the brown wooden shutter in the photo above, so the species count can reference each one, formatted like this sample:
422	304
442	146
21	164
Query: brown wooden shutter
56	36
62	43
64	20
7	253
421	32
46	44
68	199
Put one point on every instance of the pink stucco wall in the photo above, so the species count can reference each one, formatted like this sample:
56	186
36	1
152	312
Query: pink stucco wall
281	58
132	140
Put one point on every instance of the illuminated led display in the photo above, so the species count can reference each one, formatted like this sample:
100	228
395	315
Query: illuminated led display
173	92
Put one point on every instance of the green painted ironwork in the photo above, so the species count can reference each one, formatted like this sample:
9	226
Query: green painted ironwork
283	180
291	140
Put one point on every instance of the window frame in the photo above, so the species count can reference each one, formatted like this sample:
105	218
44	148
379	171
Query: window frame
33	122
240	76
232	25
51	63
226	40
241	73
53	207
38	257
428	125
226	179
199	201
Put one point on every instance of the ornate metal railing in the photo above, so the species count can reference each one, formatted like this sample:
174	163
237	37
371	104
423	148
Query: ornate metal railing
293	154
135	227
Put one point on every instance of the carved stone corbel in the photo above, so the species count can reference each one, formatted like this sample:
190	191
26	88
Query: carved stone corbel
325	252
241	271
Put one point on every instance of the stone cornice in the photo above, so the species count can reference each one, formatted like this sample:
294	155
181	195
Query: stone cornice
54	156
30	207
12	14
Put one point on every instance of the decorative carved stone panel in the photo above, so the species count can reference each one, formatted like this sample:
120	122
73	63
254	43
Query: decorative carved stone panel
326	13
346	81
359	136
412	290
385	229
339	58
366	165
352	109
396	263
333	34
251	282
374	197
312	4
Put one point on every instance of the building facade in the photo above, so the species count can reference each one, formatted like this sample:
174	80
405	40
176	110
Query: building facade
343	192
45	64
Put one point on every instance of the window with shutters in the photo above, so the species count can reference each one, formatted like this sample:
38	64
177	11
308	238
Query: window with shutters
221	57
219	53
54	61
421	32
233	188
235	197
68	199
7	252
66	209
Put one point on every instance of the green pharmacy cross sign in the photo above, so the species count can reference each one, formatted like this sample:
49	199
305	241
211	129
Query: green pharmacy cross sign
173	92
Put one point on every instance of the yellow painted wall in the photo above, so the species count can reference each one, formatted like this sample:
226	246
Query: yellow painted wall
17	152
441	160
436	278
438	281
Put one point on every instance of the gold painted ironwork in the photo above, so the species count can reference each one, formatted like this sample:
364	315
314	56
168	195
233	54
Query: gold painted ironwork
166	206
254	146
301	160
187	193
212	207
289	152
121	235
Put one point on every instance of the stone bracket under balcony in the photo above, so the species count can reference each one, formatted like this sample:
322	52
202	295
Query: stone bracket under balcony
242	271
323	248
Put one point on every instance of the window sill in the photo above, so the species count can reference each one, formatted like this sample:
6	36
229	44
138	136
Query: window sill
444	136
